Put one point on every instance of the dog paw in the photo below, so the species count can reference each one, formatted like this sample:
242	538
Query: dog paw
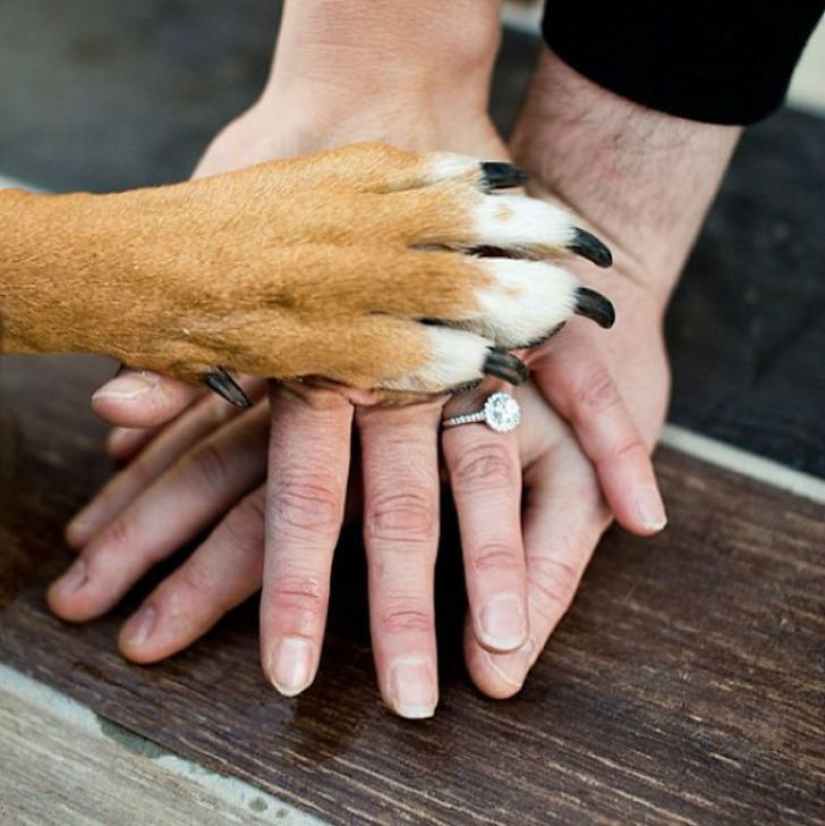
368	266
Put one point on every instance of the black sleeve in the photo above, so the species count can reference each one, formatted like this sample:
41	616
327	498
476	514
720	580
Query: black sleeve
726	61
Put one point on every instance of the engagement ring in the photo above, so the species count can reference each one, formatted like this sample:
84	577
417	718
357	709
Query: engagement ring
501	412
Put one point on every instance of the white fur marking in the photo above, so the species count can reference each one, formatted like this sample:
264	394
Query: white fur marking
515	221
455	357
529	299
446	166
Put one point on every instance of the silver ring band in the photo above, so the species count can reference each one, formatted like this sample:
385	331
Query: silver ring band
501	412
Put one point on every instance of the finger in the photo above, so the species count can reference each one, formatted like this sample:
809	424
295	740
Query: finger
123	443
399	449
564	516
207	416
192	494
142	399
308	469
224	571
485	477
576	382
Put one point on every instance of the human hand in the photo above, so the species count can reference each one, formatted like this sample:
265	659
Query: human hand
645	179
209	464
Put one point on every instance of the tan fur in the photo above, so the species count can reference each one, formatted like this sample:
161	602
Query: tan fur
312	266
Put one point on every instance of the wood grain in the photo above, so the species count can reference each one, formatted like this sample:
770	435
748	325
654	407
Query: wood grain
64	767
685	686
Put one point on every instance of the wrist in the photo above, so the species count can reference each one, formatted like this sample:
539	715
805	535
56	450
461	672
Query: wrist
384	56
642	178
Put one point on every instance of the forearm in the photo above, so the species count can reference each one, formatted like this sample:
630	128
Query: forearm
644	179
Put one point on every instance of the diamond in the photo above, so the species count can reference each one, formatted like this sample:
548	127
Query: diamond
502	412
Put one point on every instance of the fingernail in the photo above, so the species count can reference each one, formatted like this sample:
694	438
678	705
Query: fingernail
290	666
412	688
650	508
512	668
140	626
128	386
503	625
74	579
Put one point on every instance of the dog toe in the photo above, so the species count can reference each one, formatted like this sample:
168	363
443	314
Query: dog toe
451	359
522	302
530	228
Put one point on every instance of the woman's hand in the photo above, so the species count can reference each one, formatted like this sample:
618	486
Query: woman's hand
210	465
645	180
441	104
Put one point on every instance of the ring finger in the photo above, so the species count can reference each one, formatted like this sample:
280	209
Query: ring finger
485	476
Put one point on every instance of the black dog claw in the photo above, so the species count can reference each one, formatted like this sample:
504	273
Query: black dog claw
595	306
505	366
586	244
225	386
502	175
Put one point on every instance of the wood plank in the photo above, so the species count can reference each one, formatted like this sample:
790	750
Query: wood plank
64	766
686	685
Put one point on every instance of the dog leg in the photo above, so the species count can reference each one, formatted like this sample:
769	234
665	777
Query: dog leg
361	265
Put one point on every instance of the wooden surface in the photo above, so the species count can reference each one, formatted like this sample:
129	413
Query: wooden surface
686	685
62	766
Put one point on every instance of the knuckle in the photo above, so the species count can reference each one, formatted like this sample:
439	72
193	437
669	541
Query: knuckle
193	580
554	583
120	534
302	588
596	395
402	616
484	466
244	525
210	467
630	447
217	412
496	558
310	506
301	603
307	398
408	517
